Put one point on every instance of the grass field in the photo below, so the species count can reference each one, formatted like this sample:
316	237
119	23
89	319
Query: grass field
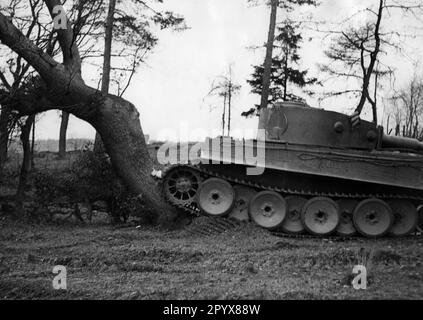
241	263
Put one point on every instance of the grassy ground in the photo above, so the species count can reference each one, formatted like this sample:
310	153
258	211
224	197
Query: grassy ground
243	263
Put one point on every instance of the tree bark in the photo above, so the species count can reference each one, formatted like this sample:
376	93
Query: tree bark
105	80
230	88
116	119
26	164
367	72
285	80
374	102
4	135
229	107
62	137
224	114
33	146
269	55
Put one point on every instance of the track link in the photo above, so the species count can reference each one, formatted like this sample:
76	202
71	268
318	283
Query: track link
207	173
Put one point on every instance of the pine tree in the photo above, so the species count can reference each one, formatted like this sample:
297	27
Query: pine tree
285	68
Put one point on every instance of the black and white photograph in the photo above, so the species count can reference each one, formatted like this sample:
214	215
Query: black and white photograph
213	155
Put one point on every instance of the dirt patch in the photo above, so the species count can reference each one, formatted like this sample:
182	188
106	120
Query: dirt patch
242	262
387	257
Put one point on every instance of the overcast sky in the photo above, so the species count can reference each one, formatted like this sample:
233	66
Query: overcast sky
169	89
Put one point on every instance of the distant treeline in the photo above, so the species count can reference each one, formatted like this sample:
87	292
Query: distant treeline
53	145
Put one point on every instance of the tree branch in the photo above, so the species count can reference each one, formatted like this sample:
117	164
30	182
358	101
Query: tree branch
67	41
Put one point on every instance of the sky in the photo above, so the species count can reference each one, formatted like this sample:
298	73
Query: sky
170	89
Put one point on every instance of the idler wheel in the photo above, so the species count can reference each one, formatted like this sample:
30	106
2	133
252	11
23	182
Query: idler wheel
373	218
268	209
180	185
346	225
216	197
292	223
243	195
320	216
405	218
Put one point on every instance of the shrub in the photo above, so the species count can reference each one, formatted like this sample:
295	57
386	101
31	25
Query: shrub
90	177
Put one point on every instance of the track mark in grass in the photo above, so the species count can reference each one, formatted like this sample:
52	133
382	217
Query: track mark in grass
387	257
207	226
284	245
139	267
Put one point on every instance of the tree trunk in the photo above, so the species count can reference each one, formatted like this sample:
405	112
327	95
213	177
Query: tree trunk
62	138
367	73
269	55
26	165
33	146
4	135
374	103
224	115
118	124
285	80
229	107
105	81
115	119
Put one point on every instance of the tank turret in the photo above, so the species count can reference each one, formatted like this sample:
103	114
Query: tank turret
297	123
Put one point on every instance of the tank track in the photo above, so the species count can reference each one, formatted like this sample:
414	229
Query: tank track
206	174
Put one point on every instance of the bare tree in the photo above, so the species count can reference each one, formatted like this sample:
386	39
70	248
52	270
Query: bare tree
14	71
116	36
85	17
357	49
116	119
105	81
225	88
407	109
355	54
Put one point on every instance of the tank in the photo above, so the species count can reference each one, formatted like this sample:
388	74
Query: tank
310	171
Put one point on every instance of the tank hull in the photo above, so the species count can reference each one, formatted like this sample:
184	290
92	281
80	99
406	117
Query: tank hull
322	159
382	169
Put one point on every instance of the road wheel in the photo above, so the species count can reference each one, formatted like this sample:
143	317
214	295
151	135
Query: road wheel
268	209
373	218
243	195
346	225
320	216
216	197
293	223
405	218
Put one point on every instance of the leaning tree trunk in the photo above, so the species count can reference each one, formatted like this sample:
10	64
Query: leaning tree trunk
115	119
62	137
26	164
